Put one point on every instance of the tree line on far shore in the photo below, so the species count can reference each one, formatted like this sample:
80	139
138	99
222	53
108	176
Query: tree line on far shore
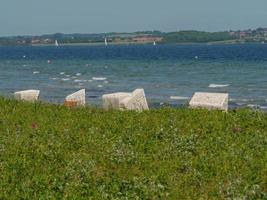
190	36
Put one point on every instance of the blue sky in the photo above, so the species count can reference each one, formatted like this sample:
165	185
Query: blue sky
31	17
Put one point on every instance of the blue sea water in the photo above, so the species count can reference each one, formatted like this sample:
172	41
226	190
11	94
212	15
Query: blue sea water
169	73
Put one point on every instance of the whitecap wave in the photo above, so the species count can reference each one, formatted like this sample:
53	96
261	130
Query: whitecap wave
100	86
99	78
246	100
179	98
78	74
218	85
79	80
62	73
36	72
65	79
253	105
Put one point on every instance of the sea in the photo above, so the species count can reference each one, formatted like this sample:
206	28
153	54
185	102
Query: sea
169	74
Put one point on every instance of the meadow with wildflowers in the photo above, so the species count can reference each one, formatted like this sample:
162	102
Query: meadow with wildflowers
52	152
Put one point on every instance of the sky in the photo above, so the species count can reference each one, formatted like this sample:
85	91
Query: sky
37	17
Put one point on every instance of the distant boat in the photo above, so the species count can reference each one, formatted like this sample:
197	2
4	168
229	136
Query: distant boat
56	43
106	42
154	43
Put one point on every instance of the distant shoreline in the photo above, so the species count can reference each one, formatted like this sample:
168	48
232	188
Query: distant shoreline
91	44
258	35
134	43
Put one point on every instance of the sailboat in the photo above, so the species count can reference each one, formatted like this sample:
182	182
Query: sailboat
154	43
106	42
56	43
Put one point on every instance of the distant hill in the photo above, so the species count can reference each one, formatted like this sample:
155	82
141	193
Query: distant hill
142	37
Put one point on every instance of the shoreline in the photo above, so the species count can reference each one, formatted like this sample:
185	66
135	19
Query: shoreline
230	42
153	104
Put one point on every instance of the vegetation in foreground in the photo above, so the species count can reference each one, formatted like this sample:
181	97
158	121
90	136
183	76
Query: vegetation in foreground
51	152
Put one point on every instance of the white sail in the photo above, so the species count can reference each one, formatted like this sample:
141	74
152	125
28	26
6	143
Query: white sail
56	43
154	43
106	42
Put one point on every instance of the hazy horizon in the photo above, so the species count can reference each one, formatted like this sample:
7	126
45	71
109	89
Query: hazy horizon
36	17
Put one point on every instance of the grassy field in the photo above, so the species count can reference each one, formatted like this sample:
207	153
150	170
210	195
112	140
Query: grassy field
51	152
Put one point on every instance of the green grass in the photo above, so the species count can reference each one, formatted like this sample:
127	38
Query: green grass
51	152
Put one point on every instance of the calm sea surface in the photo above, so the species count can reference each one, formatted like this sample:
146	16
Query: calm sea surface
169	73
